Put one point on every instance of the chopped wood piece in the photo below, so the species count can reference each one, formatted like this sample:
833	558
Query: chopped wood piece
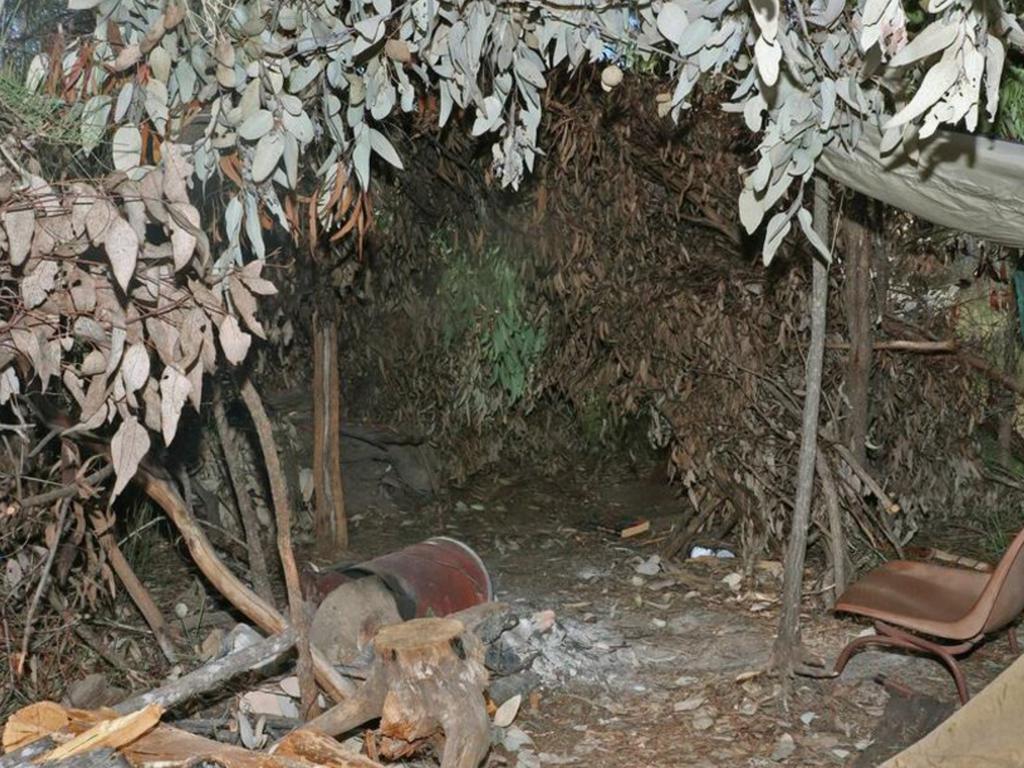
428	678
115	733
320	749
36	721
635	529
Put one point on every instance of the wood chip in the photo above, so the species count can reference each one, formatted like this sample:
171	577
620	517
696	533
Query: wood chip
114	733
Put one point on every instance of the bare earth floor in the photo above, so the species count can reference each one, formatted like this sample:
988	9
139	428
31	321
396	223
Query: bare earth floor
664	669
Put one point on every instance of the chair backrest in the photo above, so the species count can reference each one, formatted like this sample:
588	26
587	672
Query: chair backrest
1003	597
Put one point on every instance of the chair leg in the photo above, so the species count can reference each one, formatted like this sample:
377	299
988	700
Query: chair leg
892	637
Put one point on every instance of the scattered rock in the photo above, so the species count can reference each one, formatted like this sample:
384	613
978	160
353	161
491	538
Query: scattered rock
784	748
733	581
649	567
808	717
211	646
690	704
702	722
93	691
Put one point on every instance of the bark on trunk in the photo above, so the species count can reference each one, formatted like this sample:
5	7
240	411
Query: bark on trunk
787	644
331	521
859	246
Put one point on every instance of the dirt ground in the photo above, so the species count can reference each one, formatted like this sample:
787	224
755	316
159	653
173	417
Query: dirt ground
649	664
662	669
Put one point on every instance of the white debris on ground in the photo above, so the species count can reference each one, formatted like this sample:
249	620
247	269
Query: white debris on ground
564	650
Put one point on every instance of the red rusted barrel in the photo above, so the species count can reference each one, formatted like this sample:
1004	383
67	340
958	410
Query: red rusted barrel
436	577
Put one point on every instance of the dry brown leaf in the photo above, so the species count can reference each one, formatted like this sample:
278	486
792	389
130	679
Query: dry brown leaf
245	305
195	378
36	285
122	246
174	391
184	226
233	340
20	225
135	368
128	447
129	56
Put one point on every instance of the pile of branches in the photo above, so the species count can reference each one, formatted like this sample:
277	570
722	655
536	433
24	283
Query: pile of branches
658	313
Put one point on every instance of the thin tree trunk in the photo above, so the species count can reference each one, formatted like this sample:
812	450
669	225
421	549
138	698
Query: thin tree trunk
787	648
836	531
283	514
250	522
858	318
331	522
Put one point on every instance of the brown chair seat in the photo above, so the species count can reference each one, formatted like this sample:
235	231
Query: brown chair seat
924	597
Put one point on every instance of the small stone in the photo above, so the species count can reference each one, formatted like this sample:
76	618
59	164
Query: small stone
784	748
703	722
181	610
515	738
684	680
659	623
733	581
842	754
637	581
747	707
460	506
808	717
649	567
863	744
690	704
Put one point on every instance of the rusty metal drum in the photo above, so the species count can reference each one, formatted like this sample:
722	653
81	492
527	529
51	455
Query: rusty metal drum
435	577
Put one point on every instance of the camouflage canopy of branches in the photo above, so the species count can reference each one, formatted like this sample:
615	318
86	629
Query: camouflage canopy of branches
127	290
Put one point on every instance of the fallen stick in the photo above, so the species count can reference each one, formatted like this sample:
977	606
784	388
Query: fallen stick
283	518
873	485
229	585
209	676
905	345
135	588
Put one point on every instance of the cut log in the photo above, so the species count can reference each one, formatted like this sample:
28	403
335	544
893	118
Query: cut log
428	678
211	675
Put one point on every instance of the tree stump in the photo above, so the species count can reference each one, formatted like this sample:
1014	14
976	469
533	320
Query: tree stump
427	679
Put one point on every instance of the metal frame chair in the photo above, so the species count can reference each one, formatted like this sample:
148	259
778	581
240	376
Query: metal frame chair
913	602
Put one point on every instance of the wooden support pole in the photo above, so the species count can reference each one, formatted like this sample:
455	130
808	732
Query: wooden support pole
788	648
246	512
330	516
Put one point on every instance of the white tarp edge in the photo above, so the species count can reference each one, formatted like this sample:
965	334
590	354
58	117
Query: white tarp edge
970	183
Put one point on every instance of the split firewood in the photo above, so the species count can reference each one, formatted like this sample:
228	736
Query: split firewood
427	678
113	733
